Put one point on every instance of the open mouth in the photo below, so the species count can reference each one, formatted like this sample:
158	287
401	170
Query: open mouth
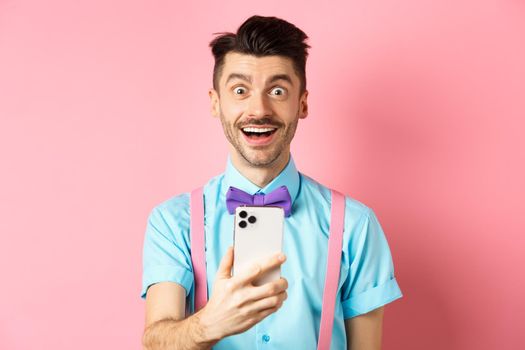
258	132
258	136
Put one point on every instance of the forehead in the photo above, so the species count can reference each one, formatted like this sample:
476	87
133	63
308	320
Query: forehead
257	67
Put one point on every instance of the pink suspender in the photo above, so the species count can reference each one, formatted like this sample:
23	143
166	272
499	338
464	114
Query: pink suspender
335	245
198	253
198	259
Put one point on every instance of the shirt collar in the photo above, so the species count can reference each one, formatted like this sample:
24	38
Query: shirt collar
288	177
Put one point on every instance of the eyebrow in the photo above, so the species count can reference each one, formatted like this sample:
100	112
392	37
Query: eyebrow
248	78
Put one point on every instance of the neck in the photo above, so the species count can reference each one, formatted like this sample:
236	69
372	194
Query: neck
260	176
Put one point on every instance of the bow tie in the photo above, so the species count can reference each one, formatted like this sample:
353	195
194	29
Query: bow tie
277	198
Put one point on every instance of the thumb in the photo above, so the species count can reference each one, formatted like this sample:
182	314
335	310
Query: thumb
225	267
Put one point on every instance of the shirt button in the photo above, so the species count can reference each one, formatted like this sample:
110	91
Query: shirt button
266	338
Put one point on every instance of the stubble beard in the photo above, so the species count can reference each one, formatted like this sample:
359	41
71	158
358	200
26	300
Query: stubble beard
254	155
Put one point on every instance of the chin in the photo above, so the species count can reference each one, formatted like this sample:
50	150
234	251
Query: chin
260	158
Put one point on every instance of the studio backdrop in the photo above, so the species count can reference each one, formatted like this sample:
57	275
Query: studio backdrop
417	109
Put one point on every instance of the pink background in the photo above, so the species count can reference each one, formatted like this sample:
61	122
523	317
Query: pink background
416	109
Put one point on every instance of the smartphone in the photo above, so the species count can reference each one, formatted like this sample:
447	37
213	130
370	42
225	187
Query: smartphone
257	235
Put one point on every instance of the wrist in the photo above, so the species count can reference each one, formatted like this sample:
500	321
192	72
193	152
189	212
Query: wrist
204	332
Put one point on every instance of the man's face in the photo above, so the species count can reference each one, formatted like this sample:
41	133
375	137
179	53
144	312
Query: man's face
259	104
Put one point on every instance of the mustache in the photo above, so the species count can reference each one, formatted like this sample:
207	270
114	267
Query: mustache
261	121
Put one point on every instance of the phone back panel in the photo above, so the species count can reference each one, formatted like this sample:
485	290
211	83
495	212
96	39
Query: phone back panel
257	239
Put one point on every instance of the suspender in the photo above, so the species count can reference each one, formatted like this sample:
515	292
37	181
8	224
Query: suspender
198	253
198	259
335	244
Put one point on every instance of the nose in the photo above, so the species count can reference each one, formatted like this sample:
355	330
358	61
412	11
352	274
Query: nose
259	106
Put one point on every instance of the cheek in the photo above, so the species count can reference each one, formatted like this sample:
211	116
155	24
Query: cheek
232	109
289	111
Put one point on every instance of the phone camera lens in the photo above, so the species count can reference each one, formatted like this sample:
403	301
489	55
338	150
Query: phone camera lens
242	224
243	214
252	219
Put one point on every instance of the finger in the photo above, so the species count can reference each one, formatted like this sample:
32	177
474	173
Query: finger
267	290
274	301
265	313
247	275
258	317
272	262
257	269
225	267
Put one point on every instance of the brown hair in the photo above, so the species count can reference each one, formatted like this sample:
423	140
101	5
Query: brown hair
263	36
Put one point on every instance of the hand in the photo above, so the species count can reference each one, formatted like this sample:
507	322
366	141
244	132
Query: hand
236	304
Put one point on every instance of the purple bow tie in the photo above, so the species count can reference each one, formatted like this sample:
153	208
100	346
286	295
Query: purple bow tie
278	198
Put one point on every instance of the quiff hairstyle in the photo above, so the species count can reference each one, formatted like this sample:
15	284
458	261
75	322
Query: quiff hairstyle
262	36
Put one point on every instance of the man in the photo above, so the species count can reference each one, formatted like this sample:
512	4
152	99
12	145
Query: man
259	94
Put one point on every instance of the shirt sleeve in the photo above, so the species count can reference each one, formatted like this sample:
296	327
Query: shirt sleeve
166	253
367	263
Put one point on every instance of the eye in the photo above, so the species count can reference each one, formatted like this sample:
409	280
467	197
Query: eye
239	90
278	91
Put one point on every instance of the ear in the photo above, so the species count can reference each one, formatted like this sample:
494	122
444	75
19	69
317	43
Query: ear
303	105
214	103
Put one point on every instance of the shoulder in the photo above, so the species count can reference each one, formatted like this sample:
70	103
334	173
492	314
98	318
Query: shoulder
174	212
175	204
362	231
354	209
171	215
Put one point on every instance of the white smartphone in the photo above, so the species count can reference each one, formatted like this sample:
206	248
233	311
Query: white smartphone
258	234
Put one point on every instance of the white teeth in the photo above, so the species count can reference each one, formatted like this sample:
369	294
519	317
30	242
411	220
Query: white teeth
260	130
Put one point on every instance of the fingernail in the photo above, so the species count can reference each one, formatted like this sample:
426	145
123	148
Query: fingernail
281	257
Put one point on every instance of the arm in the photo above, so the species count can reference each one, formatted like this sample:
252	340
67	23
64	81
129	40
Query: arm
165	325
364	332
235	306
